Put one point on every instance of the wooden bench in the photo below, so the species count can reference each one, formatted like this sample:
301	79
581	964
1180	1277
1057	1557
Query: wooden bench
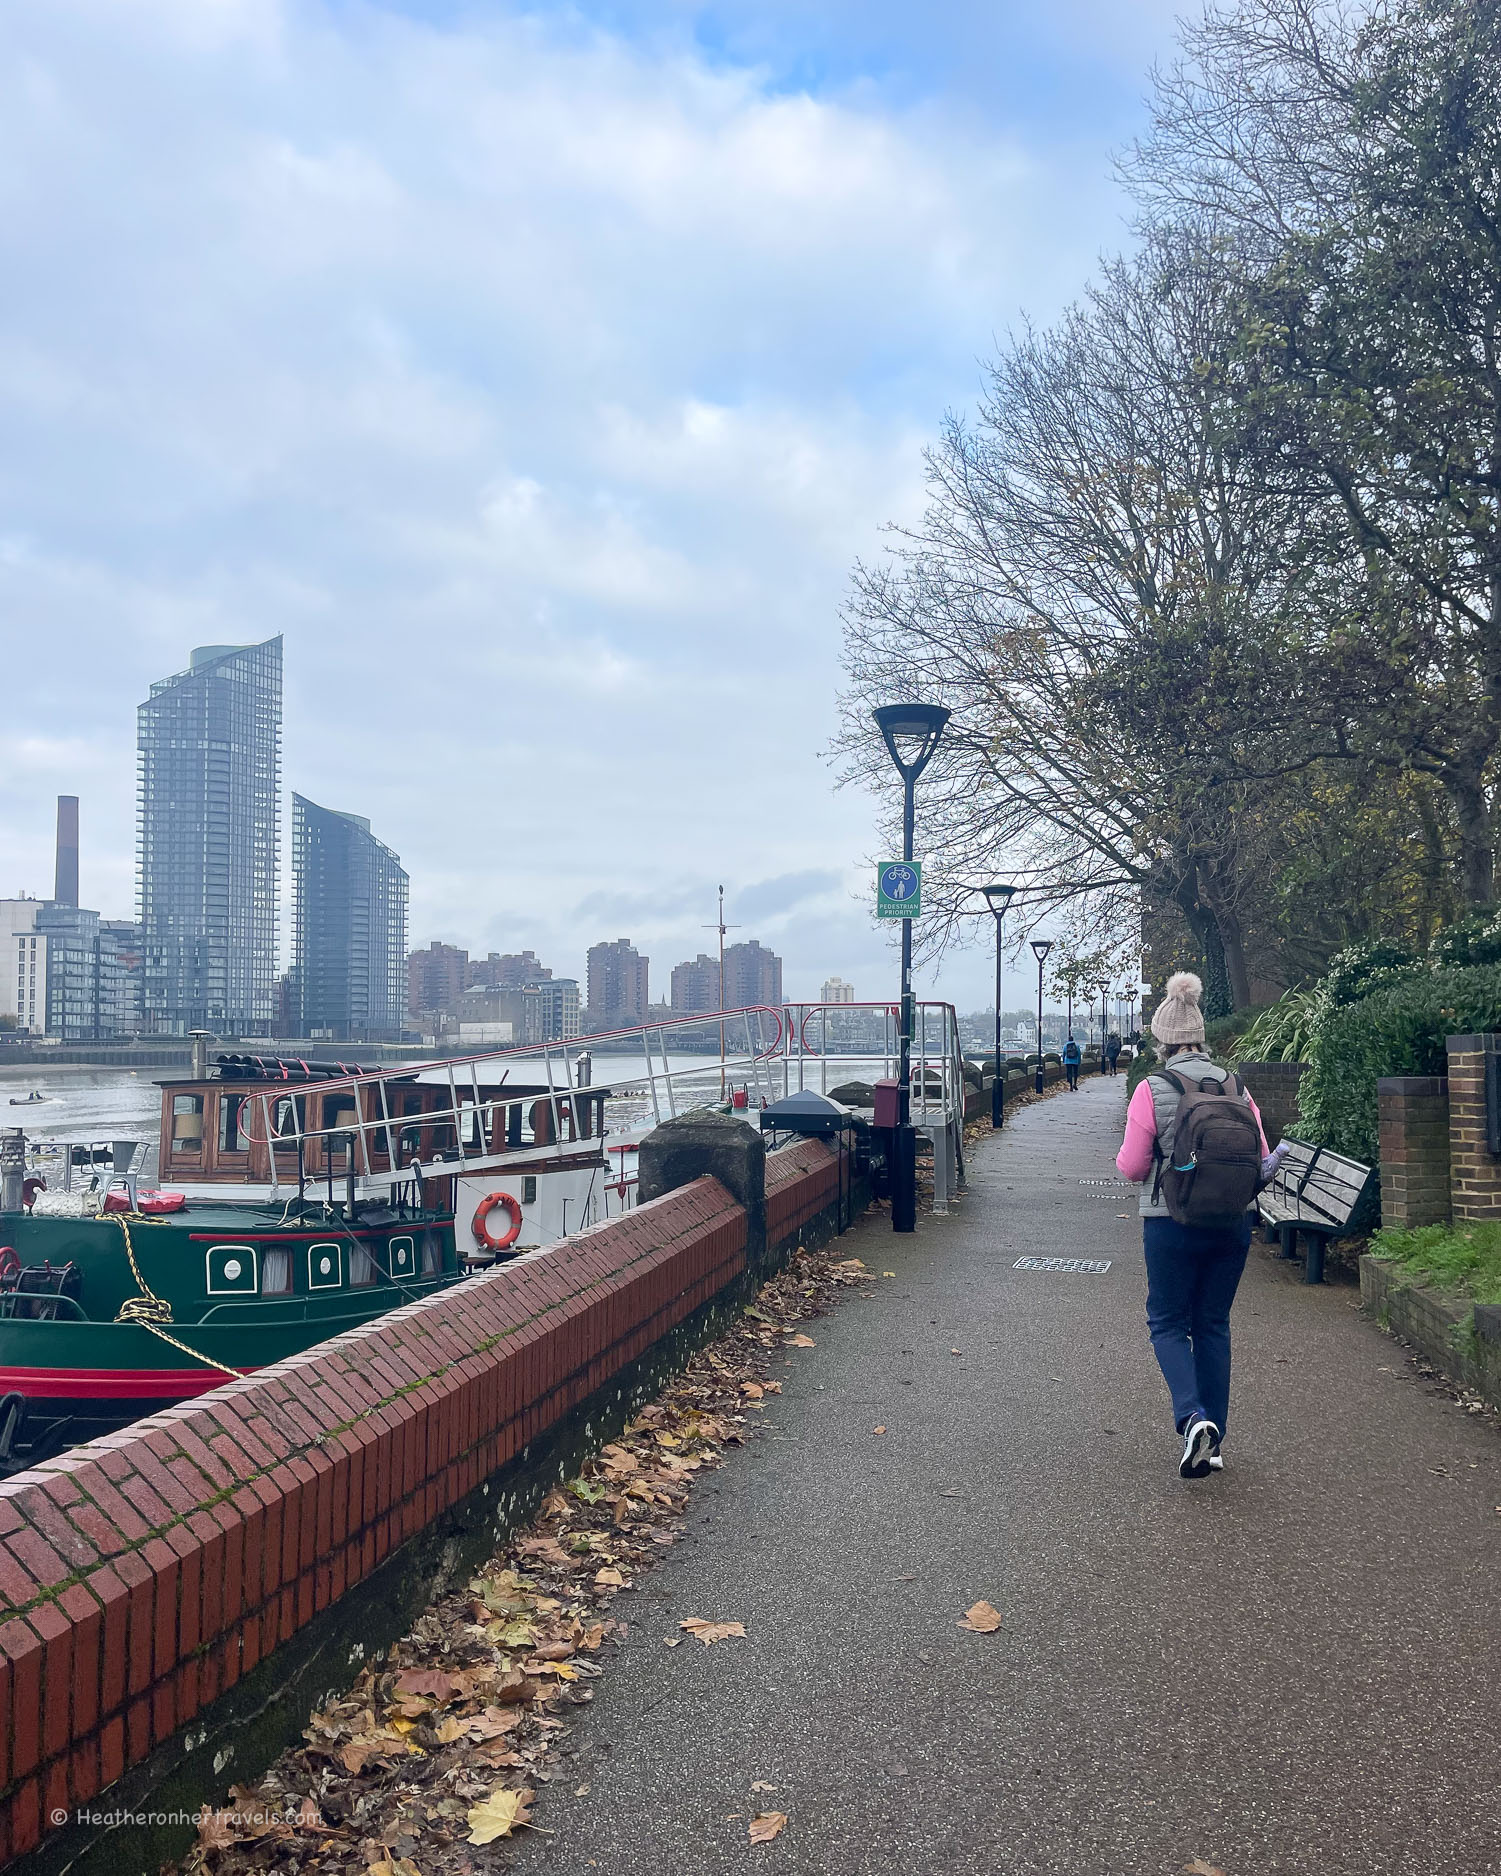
1315	1192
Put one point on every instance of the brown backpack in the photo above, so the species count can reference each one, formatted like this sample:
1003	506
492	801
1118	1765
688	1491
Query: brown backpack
1214	1173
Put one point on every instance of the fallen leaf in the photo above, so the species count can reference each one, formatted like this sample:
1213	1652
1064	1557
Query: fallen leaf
710	1632
307	1817
1200	1868
609	1579
447	1731
767	1824
982	1619
878	1429
493	1722
398	1866
758	1786
499	1814
752	1390
888	1273
800	1341
672	1641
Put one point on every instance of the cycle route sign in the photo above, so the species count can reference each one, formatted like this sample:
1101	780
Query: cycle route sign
899	889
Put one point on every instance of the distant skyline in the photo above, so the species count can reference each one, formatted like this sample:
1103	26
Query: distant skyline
538	375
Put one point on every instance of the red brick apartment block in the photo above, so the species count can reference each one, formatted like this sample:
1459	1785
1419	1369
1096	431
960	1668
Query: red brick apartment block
1474	1171
142	1575
1414	1128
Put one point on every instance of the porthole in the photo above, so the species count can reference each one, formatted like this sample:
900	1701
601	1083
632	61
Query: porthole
323	1269
231	1270
402	1256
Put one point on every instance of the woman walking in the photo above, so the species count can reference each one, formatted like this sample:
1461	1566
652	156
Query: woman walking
1193	1269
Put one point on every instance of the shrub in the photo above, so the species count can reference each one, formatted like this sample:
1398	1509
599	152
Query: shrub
1357	970
1398	1029
1472	940
1283	1033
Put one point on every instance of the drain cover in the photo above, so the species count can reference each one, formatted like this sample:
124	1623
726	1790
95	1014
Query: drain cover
1094	1265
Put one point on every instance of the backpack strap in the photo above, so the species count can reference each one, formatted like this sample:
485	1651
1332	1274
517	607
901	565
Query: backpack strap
1159	1158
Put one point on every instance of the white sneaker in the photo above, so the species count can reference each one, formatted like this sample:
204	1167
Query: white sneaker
1199	1441
1216	1463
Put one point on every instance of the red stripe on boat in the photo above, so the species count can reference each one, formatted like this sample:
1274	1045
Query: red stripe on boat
110	1383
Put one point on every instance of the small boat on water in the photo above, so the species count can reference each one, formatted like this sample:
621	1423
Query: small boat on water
296	1200
35	1099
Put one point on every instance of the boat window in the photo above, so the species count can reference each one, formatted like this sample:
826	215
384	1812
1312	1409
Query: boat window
231	1270
432	1252
187	1123
401	1257
323	1271
234	1118
288	1119
363	1269
276	1271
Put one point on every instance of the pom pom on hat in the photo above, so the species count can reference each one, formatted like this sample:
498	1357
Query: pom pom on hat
1178	1017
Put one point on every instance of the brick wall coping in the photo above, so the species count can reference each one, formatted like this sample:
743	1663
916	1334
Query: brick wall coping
1412	1085
1488	1043
144	1574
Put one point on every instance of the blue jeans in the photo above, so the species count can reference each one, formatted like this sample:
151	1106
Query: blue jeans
1192	1276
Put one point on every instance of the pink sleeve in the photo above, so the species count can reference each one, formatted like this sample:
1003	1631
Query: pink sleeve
1265	1149
1134	1161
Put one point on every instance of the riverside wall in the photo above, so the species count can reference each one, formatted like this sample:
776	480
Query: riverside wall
176	1598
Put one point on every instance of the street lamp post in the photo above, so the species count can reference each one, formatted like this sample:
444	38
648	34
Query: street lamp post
1040	949
1104	1020
913	728
998	897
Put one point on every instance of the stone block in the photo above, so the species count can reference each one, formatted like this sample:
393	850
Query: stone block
683	1149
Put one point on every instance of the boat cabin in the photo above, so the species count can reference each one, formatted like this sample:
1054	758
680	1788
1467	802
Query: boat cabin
260	1120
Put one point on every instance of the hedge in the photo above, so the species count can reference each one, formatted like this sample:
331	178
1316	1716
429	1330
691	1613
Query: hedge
1399	1029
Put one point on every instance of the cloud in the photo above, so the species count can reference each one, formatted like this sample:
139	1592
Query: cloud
540	381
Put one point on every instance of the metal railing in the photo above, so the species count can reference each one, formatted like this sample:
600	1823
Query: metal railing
665	1068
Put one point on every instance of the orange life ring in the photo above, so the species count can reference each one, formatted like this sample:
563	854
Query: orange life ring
481	1227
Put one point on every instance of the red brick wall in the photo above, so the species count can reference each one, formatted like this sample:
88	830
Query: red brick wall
1474	1173
1414	1131
143	1575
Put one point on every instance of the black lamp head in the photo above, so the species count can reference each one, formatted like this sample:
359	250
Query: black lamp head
1041	947
917	726
998	896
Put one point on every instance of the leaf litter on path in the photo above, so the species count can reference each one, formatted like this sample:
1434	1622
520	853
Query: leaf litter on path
393	1776
767	1824
981	1619
710	1632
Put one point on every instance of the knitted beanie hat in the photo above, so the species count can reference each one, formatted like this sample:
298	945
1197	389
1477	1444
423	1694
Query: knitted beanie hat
1178	1017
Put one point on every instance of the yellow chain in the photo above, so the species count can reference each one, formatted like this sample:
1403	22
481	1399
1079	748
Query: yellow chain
149	1311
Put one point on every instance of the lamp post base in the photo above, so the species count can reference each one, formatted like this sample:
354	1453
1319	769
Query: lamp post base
904	1178
997	1101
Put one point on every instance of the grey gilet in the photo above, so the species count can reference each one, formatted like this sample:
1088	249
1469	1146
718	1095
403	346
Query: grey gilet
1194	1065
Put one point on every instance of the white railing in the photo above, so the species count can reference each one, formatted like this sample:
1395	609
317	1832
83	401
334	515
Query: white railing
663	1069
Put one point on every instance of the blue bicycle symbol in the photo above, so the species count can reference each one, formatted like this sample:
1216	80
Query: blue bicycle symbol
899	882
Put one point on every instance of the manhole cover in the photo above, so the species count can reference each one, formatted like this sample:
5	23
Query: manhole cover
1095	1266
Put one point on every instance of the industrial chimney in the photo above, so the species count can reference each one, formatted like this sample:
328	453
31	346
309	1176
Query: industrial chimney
65	887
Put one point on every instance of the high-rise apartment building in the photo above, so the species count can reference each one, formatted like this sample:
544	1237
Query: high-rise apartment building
349	927
752	975
210	769
436	978
509	970
617	985
695	986
67	973
836	990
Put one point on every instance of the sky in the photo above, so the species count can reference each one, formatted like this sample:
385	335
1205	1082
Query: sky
539	373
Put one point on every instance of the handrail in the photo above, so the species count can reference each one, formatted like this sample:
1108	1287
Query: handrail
475	1131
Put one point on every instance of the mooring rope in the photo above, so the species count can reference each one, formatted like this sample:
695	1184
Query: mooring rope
149	1311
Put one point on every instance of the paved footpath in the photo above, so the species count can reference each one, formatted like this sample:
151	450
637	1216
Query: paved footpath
1292	1667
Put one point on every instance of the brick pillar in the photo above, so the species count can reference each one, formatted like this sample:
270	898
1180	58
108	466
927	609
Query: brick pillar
1414	1111
1474	1171
1273	1086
